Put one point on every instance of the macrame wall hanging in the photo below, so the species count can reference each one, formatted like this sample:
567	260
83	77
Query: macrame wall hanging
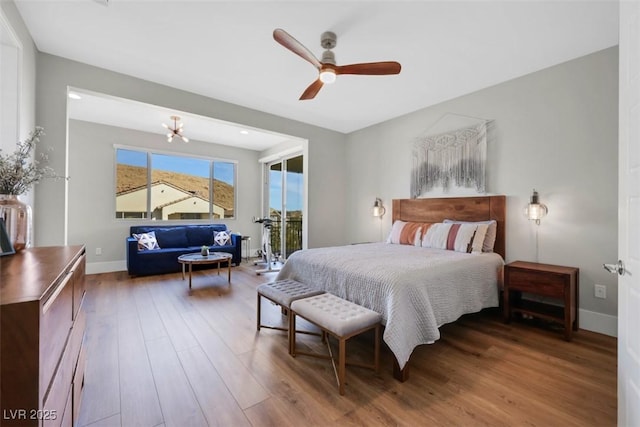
450	162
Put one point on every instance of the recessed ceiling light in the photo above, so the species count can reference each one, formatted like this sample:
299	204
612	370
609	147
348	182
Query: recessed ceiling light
74	95
244	132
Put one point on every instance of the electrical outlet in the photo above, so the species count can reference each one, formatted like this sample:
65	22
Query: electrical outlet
98	251
600	291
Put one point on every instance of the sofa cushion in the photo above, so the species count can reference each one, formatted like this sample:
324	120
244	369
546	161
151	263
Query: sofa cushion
200	235
174	237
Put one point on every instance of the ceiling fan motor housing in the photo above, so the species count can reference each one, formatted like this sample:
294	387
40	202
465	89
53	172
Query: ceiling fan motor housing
328	57
328	40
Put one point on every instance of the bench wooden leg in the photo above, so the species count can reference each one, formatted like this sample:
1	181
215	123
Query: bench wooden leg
342	359
259	305
292	333
376	360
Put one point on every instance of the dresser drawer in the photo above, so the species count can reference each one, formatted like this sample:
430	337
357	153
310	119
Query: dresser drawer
58	395
540	283
77	334
55	325
78	271
78	383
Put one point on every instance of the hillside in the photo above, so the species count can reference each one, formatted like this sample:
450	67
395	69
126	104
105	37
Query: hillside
130	177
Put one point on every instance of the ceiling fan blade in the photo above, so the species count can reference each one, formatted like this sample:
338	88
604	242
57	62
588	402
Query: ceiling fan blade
286	40
370	68
312	90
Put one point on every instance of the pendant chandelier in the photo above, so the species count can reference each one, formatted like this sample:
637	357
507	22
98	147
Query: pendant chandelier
176	130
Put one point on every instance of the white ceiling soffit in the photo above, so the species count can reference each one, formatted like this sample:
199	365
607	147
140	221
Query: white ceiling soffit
225	49
124	113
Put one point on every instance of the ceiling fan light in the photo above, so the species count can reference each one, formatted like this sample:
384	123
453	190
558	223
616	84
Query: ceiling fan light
328	76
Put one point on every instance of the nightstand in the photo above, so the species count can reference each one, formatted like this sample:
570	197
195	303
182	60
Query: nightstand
547	280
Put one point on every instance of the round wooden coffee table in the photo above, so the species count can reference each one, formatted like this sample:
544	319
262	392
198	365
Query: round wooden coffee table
212	258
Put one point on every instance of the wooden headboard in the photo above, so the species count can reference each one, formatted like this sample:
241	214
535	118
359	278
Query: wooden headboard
458	208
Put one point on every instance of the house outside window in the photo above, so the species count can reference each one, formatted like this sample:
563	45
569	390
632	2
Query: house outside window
169	187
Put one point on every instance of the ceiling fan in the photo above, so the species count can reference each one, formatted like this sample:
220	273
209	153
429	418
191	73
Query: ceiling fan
327	68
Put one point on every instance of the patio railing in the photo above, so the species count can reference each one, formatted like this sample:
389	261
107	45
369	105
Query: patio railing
293	235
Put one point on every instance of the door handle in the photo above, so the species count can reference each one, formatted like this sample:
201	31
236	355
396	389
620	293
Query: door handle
617	268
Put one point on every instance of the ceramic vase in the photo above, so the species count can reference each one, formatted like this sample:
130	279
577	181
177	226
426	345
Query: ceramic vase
204	252
17	220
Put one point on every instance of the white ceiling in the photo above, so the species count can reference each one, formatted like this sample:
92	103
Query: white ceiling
110	110
225	49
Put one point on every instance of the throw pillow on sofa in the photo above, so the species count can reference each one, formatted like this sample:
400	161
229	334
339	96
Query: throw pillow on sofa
147	241
221	238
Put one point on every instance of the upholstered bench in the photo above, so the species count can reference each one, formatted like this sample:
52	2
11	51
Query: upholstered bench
283	293
340	318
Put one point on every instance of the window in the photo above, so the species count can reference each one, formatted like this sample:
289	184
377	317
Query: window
168	187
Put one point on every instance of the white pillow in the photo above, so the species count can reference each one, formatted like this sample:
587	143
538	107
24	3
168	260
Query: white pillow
436	236
222	238
147	241
463	237
478	238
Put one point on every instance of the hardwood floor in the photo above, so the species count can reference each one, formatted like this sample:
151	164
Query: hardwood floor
159	355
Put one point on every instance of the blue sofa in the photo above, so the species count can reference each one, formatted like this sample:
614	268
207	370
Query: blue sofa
176	240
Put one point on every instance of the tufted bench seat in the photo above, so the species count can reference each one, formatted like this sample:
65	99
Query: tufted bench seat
283	293
340	318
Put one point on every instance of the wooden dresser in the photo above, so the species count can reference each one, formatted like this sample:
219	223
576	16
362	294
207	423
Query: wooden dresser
42	323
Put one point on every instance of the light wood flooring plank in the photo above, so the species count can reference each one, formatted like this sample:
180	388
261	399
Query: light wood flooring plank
101	398
179	405
150	321
112	421
139	401
238	379
217	403
178	332
272	413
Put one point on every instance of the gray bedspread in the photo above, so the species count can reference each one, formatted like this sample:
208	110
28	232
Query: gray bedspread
415	289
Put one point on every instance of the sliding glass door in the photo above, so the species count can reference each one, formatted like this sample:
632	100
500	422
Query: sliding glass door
285	204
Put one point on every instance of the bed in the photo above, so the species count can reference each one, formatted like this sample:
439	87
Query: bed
416	289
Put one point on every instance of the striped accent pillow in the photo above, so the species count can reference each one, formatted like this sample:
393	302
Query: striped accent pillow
453	237
489	236
406	233
436	236
479	238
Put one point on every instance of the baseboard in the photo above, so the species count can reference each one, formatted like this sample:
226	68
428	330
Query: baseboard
598	322
106	267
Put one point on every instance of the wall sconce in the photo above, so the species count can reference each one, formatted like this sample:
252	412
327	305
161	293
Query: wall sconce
535	210
378	209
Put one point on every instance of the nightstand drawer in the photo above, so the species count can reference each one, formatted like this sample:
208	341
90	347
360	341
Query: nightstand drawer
551	285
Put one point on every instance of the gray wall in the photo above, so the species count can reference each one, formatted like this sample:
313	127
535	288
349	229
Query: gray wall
91	191
554	130
27	95
327	167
